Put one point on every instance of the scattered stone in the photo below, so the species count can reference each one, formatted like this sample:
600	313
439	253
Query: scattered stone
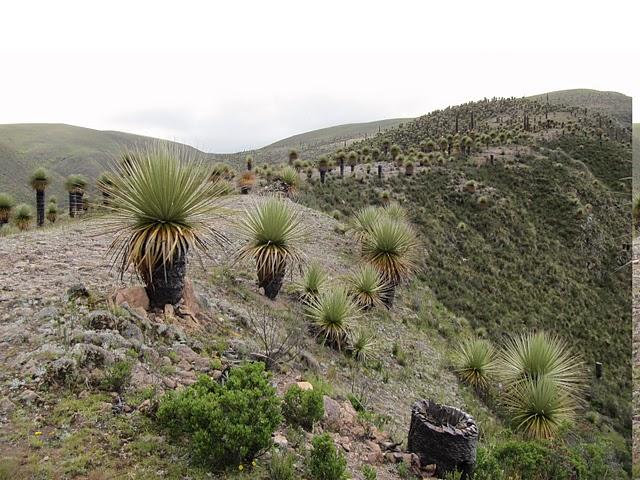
304	386
189	300
102	320
29	397
62	371
77	291
134	297
48	313
131	331
280	441
89	355
310	361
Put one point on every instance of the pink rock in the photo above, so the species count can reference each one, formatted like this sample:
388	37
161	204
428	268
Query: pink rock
135	297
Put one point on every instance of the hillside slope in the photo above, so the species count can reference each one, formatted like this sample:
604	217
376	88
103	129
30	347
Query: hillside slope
636	157
528	229
62	149
615	104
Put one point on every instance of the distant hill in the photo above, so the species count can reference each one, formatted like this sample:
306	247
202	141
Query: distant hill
61	149
615	104
319	142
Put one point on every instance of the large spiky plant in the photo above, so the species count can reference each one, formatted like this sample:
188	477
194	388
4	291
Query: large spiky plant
363	221
273	232
395	211
161	207
75	185
332	314
538	407
23	216
390	247
105	179
543	382
536	355
366	286
6	204
39	181
474	363
312	282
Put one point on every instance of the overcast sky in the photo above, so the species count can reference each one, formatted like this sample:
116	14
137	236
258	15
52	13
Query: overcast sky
230	76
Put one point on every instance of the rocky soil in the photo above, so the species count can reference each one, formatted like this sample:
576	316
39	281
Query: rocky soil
61	336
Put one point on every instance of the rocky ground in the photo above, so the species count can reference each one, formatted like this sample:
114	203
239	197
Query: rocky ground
636	358
67	412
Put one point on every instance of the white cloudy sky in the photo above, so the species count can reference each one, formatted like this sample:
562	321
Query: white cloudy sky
229	76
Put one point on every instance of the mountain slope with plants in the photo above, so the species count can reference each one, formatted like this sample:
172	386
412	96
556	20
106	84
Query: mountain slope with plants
615	104
522	211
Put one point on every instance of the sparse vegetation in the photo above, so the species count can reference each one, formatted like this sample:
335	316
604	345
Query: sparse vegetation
302	407
324	461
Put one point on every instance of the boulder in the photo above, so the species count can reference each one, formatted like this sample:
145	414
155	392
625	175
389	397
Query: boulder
304	386
134	297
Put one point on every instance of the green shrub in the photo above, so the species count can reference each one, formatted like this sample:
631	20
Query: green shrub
281	466
117	376
324	461
302	407
369	473
245	412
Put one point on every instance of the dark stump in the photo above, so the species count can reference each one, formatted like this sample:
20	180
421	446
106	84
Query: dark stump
272	283
167	283
445	436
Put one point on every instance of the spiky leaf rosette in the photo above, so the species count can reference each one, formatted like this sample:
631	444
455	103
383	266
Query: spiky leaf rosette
273	232
394	211
161	207
362	344
23	216
6	204
366	286
332	314
363	221
290	178
39	179
312	281
390	247
475	362
75	183
537	355
538	407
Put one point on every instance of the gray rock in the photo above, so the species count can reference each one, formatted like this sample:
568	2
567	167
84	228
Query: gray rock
131	331
48	313
77	291
90	355
102	320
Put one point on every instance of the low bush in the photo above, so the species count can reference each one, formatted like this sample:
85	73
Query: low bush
244	412
302	407
324	461
281	466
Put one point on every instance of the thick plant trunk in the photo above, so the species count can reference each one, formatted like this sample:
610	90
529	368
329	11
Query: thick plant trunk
389	295
72	201
341	168
167	283
40	206
322	174
272	283
445	436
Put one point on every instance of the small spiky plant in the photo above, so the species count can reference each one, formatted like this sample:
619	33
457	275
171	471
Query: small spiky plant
246	181
75	185
332	314
290	179
6	205
313	280
23	216
52	212
475	363
538	407
39	181
362	344
390	247
366	286
395	211
363	221
273	232
161	205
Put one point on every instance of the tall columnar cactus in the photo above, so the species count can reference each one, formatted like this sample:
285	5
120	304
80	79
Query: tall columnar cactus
39	181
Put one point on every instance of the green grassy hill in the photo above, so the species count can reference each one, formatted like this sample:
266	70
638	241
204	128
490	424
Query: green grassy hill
318	142
613	103
62	149
528	230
